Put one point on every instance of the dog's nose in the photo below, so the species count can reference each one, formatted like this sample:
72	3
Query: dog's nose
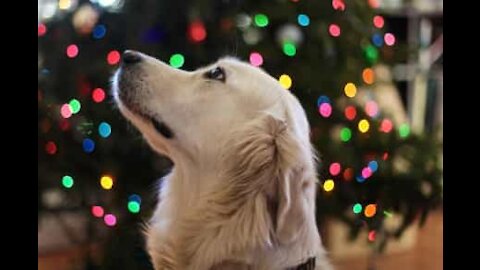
131	57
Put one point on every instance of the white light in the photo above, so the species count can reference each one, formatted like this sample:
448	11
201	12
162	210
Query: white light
49	10
107	3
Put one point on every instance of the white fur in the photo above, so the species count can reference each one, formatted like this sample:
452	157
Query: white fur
241	194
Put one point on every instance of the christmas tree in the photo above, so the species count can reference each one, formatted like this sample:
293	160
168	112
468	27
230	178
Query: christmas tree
326	52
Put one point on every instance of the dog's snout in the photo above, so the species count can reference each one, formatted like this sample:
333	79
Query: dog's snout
131	57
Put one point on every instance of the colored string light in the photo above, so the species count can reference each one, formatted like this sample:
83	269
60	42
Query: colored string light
357	208
75	106
113	57
345	134
285	81
338	5
322	99
88	145
368	76
197	32
98	95
350	90
289	49
303	20
370	210
334	30
404	130
135	198
177	60
133	207
335	168
371	236
256	59
329	185
378	21
325	110
371	108
373	165
51	148
261	20
110	220
348	174
97	211
66	111
386	125
363	125
106	182
350	112
389	39
67	181
42	29
377	40
366	172
104	129
99	31
72	51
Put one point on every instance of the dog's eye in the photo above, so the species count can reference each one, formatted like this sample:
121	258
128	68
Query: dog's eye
216	74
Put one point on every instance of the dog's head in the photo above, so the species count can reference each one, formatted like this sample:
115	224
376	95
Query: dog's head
227	112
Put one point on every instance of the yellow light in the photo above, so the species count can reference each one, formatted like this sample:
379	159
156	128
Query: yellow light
64	4
285	81
106	182
363	126
328	185
350	90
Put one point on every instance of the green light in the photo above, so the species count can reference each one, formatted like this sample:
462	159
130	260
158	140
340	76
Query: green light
75	105
133	207
177	60
67	181
357	208
289	49
261	20
387	214
371	53
404	130
345	134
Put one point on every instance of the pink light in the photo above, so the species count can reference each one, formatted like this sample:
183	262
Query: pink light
378	21
335	168
389	39
371	236
72	50
338	5
366	172
97	211
371	108
42	29
334	30
110	220
256	59
374	3
325	109
66	111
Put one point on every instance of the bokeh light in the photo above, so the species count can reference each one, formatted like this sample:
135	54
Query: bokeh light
374	3
113	57
334	30
338	5
368	76
67	181
135	198
357	208
104	129
371	108
197	32
322	99
66	111
404	130
42	29
88	145
106	182
345	134
75	105
133	207
377	40
370	210
389	39
285	81
325	110
64	4
289	49
98	95
110	220
371	236
72	50
350	112
348	174
256	59
366	172
303	19
335	168
371	53
261	20
360	179
386	125
363	125
99	31
328	185
378	21
350	90
97	211
177	60
50	148
385	156
373	165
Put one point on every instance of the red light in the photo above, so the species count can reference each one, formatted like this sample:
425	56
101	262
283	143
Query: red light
350	112
338	5
371	236
197	32
42	29
51	148
97	211
386	125
98	95
385	156
334	30
348	174
72	50
378	21
374	3
64	125
113	57
335	168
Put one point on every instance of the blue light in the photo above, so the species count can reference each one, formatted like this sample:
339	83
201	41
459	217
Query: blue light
99	31
360	179
377	40
104	129
322	99
88	145
373	165
303	20
135	198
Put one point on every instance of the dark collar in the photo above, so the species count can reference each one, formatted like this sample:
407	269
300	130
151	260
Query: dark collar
308	265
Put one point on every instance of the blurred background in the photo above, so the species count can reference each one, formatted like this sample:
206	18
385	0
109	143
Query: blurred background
369	74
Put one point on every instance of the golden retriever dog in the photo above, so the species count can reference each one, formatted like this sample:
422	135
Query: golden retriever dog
241	194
